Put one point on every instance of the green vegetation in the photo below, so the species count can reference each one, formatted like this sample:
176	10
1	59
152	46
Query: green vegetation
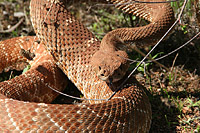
174	94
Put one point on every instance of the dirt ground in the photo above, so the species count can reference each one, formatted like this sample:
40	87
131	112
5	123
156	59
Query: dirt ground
173	90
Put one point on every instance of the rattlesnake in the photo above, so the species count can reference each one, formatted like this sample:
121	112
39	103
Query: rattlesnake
78	53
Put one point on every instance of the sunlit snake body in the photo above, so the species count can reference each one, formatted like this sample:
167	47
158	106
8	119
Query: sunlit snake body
72	47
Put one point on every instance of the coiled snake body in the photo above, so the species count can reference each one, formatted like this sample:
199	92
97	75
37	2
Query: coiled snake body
79	54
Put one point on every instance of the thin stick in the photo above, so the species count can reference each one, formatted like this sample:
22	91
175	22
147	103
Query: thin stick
152	60
174	62
11	75
74	96
178	47
13	27
164	56
181	12
183	7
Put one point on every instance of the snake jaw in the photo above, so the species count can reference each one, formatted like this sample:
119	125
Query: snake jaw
103	73
72	46
110	66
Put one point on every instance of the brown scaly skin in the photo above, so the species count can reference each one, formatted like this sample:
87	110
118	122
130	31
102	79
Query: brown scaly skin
160	17
110	66
109	62
30	86
15	116
72	46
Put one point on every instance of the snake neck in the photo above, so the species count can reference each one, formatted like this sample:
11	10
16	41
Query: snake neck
108	63
160	16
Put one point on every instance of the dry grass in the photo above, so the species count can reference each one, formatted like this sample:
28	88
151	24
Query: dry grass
174	94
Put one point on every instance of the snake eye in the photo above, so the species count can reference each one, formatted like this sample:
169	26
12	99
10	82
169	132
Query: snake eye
99	68
102	74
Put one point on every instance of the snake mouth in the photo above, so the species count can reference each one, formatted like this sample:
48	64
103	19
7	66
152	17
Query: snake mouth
104	78
103	75
112	77
108	79
111	74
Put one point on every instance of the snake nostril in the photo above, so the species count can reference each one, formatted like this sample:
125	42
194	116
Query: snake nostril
102	74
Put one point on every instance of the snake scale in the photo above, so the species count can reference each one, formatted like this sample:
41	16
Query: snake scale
65	44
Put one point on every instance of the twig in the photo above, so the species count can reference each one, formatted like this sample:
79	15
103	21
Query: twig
180	14
143	58
164	56
104	15
152	60
11	75
73	96
179	47
174	62
13	27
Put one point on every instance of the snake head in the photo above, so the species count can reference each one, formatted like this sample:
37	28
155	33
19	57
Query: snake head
110	66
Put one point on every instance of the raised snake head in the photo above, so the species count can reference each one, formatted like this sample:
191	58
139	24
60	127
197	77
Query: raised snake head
110	66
